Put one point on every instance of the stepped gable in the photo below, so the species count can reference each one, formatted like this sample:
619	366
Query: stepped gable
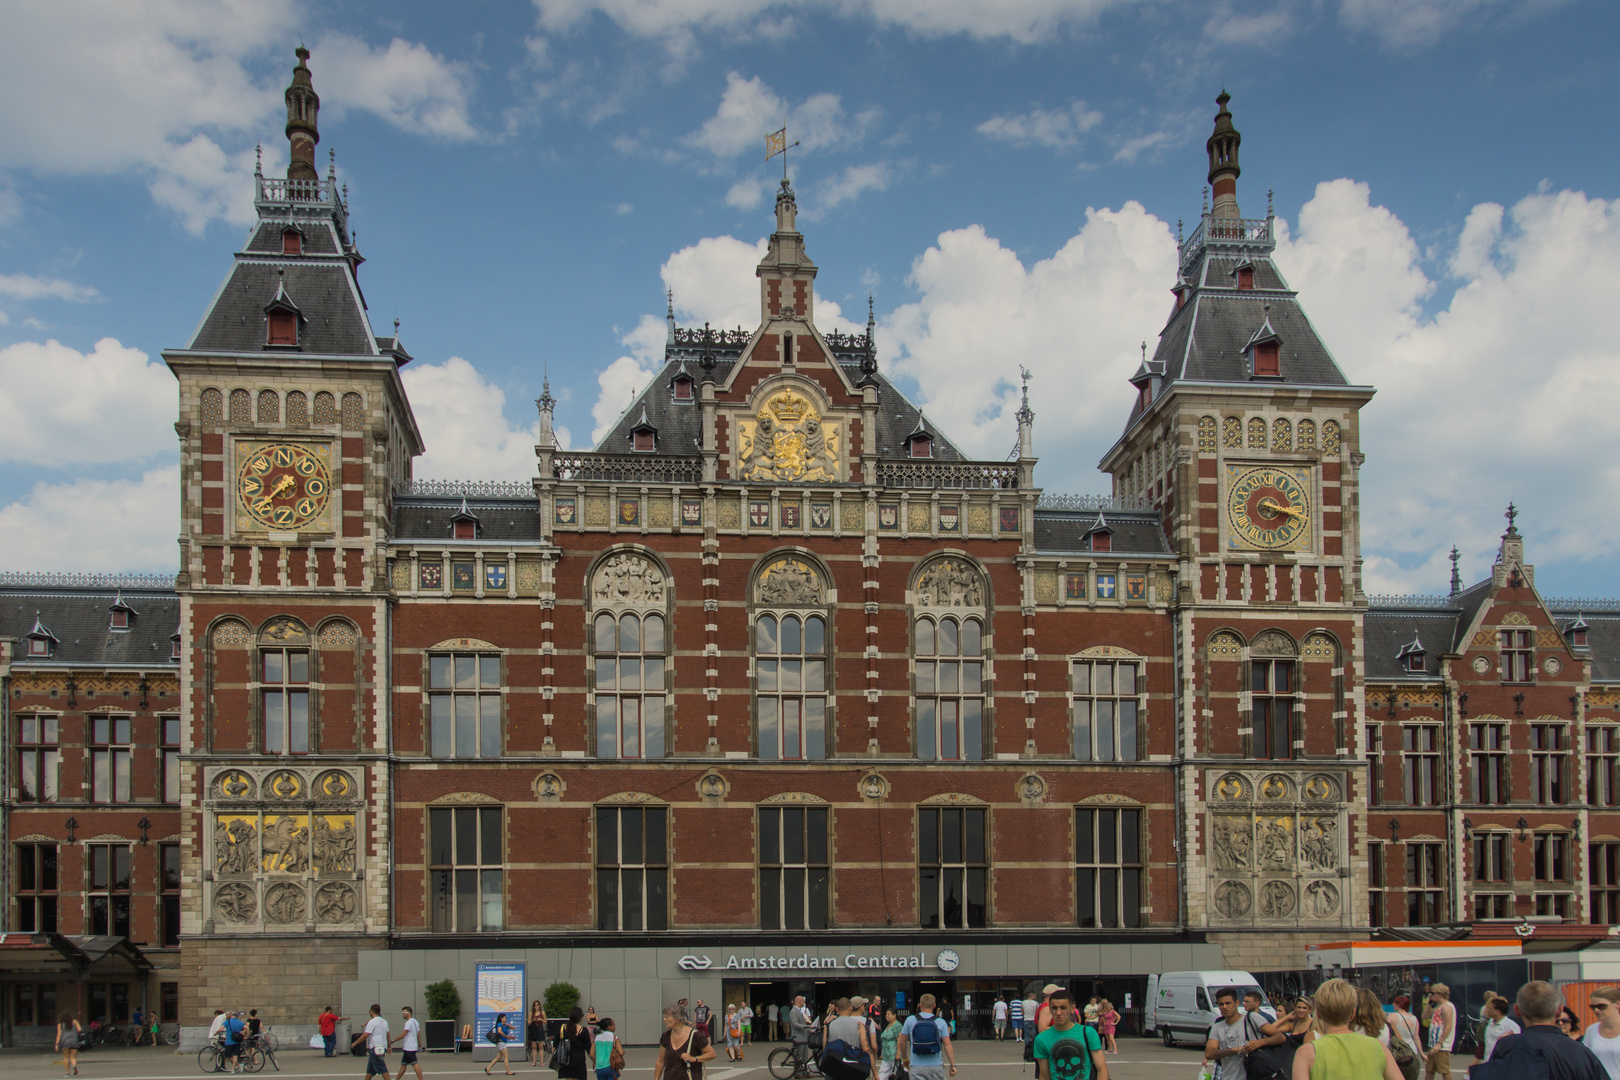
79	618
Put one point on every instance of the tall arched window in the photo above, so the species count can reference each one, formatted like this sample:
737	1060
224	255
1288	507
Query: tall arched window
630	652
791	657
950	688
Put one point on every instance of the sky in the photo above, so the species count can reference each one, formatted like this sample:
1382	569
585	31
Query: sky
1003	179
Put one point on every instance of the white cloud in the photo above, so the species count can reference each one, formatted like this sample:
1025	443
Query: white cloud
1255	29
749	109
1506	393
95	525
1056	128
746	193
1075	319
405	84
462	419
63	407
1408	23
29	287
850	184
10	206
624	209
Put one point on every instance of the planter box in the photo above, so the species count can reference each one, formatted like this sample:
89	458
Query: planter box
440	1034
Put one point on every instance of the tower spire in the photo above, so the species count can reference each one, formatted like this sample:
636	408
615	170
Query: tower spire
1456	574
303	107
1223	160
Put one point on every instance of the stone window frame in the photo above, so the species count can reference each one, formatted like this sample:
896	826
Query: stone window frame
118	751
984	865
480	809
781	867
591	609
1415	756
109	889
1602	752
601	865
1122	866
826	610
479	651
1115	655
984	612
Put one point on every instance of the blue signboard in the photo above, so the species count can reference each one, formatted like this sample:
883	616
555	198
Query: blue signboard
500	989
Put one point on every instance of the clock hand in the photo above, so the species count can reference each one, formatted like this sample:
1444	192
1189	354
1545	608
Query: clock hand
282	485
1277	508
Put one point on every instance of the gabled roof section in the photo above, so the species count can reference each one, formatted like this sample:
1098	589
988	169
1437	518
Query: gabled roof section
1132	532
74	616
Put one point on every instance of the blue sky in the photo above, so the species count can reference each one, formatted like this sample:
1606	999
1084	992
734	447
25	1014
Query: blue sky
1004	179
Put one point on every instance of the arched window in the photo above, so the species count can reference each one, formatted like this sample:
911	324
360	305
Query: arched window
213	406
241	407
354	415
950	688
630	651
791	657
325	408
269	407
297	408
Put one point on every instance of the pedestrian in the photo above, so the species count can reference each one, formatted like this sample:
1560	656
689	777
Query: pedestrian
534	1034
799	1024
1404	1038
573	1046
409	1041
1255	1005
607	1050
1109	1018
773	1015
590	1019
1442	1030
1603	1037
732	1023
217	1026
848	1026
1015	1015
682	1049
1497	1024
746	1014
1540	1045
700	1018
998	1018
1338	1053
69	1035
234	1032
1043	1011
889	1043
1076	1047
328	1022
375	1035
1227	1037
1569	1023
925	1043
500	1033
1092	1012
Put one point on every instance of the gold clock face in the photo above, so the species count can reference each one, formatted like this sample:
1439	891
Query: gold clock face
283	485
1269	508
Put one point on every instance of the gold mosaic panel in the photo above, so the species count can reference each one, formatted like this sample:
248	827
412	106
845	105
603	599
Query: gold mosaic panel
978	519
1281	437
528	577
1257	433
1330	436
919	516
852	516
1046	586
596	510
658	513
1306	435
1232	433
400	575
728	514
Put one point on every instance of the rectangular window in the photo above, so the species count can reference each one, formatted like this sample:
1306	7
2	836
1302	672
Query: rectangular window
1104	710
1493	906
1603	765
169	896
791	661
34	1004
169	996
793	868
110	758
110	1001
1491	857
632	868
170	730
1546	764
464	702
1553	904
1373	743
1551	863
1518	655
465	860
1271	685
952	868
1487	753
284	692
1603	879
283	328
1420	764
950	689
1108	868
107	905
1266	360
1425	885
38	759
630	685
1377	913
36	888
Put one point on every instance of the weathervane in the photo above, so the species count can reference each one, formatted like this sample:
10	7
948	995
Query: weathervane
776	143
1512	513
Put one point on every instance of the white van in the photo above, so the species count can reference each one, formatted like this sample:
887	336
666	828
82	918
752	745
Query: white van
1181	1004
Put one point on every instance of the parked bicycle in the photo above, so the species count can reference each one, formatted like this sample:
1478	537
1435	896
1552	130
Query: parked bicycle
798	1061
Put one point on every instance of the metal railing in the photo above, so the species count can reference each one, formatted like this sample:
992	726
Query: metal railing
1103	503
1583	603
1401	600
53	579
629	468
1225	231
472	489
953	475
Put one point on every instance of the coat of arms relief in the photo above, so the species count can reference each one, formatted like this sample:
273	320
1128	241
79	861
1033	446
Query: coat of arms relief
788	441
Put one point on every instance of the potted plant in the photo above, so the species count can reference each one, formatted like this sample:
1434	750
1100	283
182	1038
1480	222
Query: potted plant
559	998
444	1009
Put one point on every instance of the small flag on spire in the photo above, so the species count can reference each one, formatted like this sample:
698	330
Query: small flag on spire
775	143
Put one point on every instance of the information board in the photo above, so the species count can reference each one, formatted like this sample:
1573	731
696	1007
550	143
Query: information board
500	989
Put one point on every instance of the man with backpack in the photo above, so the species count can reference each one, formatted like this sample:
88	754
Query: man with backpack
1541	1051
925	1043
1066	1050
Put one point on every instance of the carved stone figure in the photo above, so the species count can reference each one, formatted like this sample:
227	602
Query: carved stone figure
334	902
628	578
285	785
790	582
712	786
1276	899
789	441
335	785
1276	844
335	849
1232	900
285	903
1320	789
234	903
1032	788
286	845
1275	787
1320	847
1273	643
1321	899
236	855
1231	787
550	787
818	456
950	583
872	786
285	630
1230	837
233	785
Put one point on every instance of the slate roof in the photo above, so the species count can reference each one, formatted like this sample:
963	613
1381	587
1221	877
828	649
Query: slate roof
1386	632
1134	532
80	618
428	520
320	238
335	317
1602	640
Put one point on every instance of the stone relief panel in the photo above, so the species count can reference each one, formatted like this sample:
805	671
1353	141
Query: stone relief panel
952	583
789	441
628	578
791	582
1276	848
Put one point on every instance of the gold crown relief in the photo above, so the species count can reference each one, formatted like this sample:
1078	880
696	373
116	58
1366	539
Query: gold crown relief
788	407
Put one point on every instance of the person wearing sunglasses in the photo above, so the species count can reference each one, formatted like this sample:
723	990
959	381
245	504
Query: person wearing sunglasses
1603	1037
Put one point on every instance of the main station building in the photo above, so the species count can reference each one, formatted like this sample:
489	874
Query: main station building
774	691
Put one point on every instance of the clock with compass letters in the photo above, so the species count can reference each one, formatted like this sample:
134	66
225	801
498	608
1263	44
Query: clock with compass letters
283	486
1268	508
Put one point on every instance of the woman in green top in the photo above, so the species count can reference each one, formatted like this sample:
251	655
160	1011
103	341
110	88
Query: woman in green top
1337	1053
888	1038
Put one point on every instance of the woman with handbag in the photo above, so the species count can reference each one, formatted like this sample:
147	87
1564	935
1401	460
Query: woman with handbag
500	1033
573	1046
535	1034
682	1049
1404	1037
889	1040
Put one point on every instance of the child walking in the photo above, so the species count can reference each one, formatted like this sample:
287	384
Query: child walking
609	1054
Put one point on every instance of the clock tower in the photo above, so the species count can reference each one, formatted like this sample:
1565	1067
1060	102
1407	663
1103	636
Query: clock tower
1245	436
294	435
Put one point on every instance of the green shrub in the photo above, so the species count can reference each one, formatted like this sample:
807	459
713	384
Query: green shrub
560	997
443	1000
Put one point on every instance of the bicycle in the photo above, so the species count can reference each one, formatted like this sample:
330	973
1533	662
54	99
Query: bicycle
211	1058
170	1034
796	1062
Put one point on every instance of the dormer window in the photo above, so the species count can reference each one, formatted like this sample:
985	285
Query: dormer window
174	645
466	530
122	614
282	318
1266	362
1244	275
682	388
922	446
1411	657
39	646
283	328
292	242
464	524
1102	540
644	437
40	640
1575	633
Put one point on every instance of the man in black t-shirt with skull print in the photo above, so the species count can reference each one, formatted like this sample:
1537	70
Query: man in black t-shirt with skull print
1066	1050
